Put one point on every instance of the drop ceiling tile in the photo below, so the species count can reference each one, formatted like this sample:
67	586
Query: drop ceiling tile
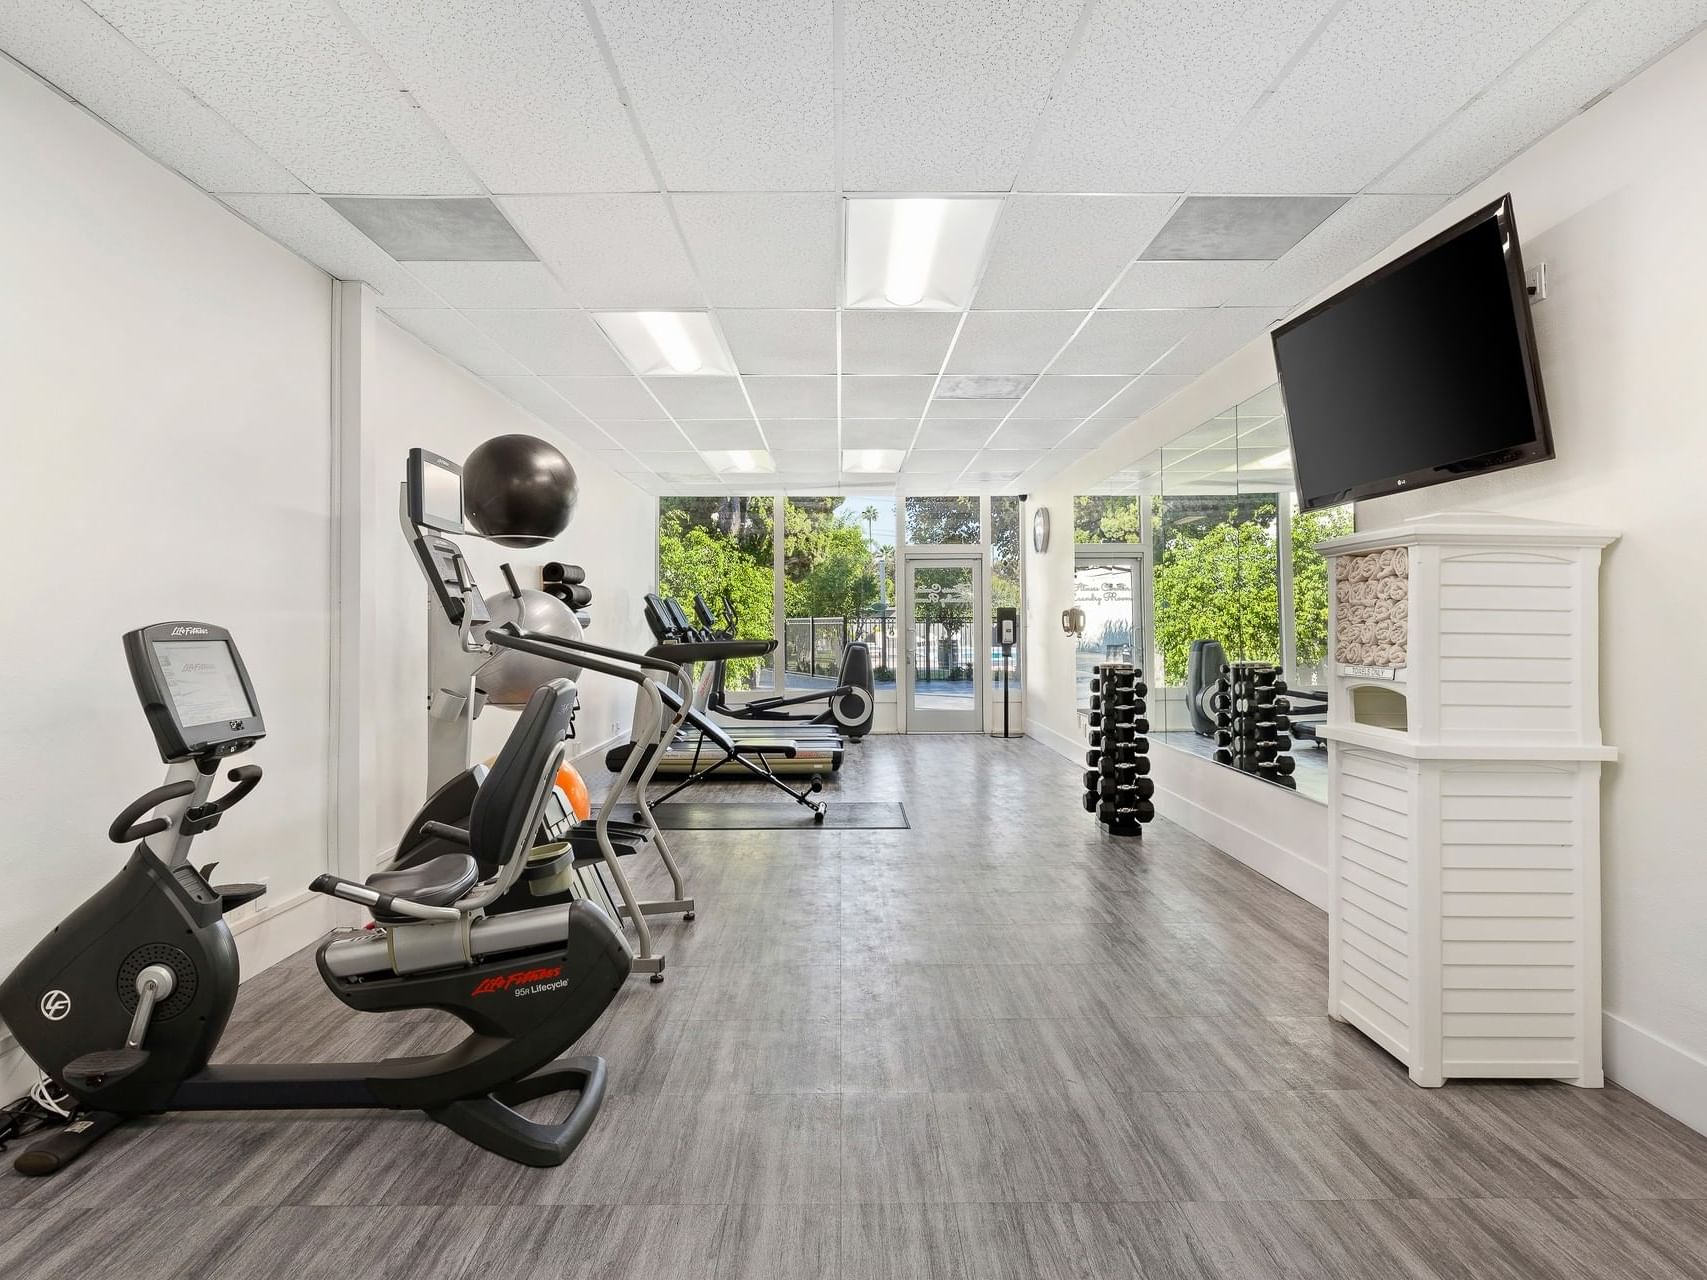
736	434
307	225
1153	89
1011	341
650	437
956	433
1028	433
896	341
1602	45
940	410
764	249
1063	252
607	399
945	96
519	89
1093	432
937	462
1215	337
1010	460
738	97
1238	228
675	462
780	341
1126	342
299	82
1180	284
450	334
540	400
703	398
612	252
1145	394
63	42
555	342
792	396
797	434
491	284
1372	85
870	396
1069	395
593	441
1342	244
878	433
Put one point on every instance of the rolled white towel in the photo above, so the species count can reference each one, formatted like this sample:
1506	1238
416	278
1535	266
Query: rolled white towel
1400	610
1402	561
1381	611
1342	592
1385	560
1342	568
1401	589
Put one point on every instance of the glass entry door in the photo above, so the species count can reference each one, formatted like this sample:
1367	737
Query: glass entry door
942	609
1107	589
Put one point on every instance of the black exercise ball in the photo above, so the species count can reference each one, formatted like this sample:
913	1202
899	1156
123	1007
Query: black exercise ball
518	491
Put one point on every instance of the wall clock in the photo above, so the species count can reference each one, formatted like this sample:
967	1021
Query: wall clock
1040	529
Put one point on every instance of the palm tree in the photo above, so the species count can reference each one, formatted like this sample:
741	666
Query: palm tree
869	515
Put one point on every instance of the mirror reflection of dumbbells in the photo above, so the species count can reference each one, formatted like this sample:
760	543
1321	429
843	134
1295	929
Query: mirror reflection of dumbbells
1118	788
1253	724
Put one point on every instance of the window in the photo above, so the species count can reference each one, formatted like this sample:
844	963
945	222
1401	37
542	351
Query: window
1310	591
1007	535
721	549
838	586
935	522
1100	518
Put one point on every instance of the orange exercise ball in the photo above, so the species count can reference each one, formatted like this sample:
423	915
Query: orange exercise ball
570	782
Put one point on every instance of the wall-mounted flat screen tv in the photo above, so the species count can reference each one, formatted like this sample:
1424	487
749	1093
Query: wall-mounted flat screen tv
1423	372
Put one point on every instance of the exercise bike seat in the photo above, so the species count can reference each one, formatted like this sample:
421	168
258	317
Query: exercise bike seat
437	882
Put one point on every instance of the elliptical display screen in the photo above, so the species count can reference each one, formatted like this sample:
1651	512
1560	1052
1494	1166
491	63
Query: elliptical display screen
434	492
200	678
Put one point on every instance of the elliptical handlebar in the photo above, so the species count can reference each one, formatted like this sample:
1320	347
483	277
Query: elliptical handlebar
581	654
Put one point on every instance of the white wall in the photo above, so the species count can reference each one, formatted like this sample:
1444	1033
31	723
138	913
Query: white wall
166	378
169	386
1613	202
420	398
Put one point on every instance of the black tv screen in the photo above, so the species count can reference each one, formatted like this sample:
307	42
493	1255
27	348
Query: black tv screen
1420	373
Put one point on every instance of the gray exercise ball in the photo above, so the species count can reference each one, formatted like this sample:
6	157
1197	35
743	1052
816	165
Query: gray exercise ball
510	678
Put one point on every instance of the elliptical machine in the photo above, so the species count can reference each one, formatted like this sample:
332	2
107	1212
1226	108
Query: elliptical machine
495	651
125	1001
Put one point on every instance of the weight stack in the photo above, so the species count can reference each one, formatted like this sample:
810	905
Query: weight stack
1118	786
1253	728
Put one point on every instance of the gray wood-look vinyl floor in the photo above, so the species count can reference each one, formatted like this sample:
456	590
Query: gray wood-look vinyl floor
999	1044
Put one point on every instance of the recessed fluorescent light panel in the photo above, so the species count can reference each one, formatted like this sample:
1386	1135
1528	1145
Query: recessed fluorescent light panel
747	462
667	342
916	252
872	461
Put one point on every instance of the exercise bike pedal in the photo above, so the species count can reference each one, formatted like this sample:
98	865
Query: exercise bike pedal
103	1067
232	896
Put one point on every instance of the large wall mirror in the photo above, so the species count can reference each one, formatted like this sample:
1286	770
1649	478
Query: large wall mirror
1223	566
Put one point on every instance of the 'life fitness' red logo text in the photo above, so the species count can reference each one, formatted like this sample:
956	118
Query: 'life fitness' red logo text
521	977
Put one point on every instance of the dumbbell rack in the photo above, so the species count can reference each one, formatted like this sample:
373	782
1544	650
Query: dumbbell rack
1253	729
1118	788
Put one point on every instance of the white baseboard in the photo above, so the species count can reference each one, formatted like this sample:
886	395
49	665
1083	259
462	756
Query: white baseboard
1655	1069
1288	868
1059	743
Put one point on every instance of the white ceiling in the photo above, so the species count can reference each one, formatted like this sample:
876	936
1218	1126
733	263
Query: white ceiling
661	155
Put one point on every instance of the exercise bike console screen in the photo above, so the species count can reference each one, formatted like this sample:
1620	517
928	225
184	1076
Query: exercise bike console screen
201	681
435	492
194	690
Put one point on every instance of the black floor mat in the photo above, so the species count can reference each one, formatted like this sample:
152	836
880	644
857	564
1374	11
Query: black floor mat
782	816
